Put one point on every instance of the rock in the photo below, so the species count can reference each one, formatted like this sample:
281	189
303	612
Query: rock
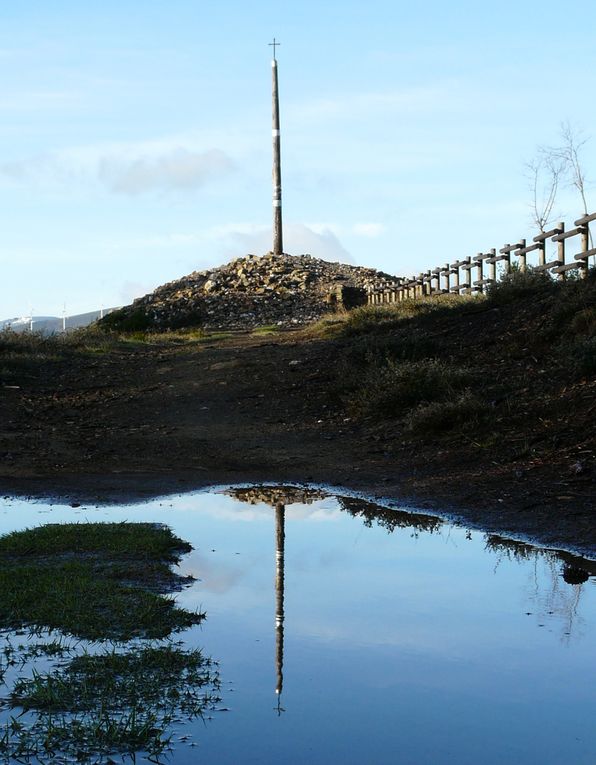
284	290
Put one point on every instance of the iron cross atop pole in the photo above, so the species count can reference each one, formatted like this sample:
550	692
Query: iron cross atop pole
275	44
277	226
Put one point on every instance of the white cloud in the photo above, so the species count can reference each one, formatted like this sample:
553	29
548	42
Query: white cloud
131	290
124	168
178	169
370	230
33	102
298	239
417	100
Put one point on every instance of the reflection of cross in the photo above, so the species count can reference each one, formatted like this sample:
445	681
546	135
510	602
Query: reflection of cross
274	44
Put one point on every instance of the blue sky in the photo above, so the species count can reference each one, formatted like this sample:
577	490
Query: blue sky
135	137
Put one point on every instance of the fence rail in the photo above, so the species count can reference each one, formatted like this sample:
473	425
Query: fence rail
458	277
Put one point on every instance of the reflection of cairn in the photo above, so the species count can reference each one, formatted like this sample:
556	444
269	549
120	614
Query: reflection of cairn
275	495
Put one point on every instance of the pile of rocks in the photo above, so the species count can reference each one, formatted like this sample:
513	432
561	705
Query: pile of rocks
256	291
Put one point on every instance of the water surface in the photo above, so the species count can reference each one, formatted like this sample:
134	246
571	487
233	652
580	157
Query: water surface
351	633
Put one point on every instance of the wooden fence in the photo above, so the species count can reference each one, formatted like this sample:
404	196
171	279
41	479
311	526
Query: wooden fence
475	274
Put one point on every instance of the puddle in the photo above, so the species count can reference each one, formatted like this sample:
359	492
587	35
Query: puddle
351	633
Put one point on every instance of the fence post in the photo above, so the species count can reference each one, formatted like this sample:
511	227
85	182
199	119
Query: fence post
447	279
542	253
507	257
561	251
522	257
584	244
455	272
420	285
468	282
479	271
492	266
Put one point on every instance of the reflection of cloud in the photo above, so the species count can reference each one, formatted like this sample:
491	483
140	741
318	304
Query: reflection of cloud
179	169
215	576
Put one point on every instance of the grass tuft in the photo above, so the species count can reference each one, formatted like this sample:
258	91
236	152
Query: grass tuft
94	581
394	389
103	704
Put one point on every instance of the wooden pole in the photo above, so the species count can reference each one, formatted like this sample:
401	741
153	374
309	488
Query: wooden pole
277	226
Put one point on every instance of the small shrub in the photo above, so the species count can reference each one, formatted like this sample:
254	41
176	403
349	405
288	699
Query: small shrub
395	388
382	318
584	357
519	284
125	320
462	412
584	321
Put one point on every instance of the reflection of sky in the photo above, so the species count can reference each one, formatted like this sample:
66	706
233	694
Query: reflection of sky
426	645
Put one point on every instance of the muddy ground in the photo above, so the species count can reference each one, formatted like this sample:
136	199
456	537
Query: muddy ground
147	419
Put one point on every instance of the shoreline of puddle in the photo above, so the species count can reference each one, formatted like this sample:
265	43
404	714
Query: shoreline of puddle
577	552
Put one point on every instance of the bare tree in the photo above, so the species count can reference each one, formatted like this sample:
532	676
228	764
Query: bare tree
544	174
569	153
552	166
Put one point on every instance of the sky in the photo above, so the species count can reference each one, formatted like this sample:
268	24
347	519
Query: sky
135	137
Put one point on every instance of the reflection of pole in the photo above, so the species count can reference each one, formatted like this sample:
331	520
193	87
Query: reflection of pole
280	511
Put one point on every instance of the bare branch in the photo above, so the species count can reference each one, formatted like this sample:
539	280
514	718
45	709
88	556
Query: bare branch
544	173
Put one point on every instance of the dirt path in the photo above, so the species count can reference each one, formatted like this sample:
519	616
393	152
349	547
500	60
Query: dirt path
147	420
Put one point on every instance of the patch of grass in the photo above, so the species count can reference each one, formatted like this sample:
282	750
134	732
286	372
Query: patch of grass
110	702
126	320
113	680
94	581
519	285
412	344
584	321
394	389
584	356
214	337
266	329
328	326
382	318
459	413
122	540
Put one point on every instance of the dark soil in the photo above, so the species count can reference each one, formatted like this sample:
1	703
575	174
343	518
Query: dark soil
146	419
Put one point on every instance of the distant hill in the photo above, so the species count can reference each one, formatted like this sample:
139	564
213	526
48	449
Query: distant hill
251	291
51	324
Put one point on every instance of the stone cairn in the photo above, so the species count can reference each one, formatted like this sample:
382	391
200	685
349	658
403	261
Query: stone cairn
282	290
